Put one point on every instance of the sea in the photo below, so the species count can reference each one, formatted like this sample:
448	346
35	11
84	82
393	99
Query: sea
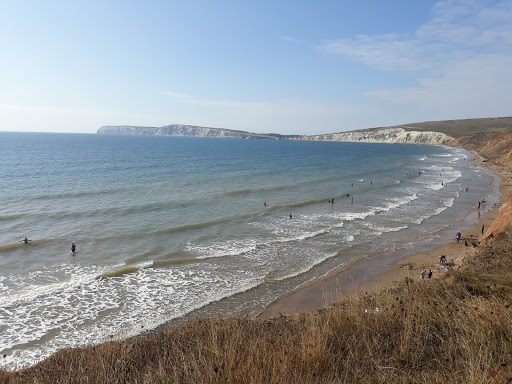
169	227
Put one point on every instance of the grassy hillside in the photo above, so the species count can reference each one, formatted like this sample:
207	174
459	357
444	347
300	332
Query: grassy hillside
466	127
459	128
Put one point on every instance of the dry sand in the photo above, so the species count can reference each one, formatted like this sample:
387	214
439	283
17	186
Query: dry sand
385	271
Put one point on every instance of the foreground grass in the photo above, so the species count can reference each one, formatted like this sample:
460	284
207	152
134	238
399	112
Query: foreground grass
456	329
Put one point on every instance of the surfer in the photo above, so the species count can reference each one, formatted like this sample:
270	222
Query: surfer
25	240
73	247
290	215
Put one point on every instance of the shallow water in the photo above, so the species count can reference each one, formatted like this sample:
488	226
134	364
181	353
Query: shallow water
167	225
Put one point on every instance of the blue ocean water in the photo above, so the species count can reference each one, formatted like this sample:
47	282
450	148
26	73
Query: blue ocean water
168	225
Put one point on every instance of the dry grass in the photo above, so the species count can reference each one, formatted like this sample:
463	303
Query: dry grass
451	330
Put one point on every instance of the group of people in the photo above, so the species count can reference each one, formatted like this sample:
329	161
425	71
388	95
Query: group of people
430	273
26	240
331	201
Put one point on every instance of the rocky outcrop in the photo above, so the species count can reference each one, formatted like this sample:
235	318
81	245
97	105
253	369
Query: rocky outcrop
384	135
181	130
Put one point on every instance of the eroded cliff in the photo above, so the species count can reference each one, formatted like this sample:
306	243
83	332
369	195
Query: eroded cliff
384	135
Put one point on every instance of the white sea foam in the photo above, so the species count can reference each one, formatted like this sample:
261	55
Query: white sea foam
380	229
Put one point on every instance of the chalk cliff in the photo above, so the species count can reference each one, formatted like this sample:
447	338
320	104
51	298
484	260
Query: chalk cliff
390	135
182	130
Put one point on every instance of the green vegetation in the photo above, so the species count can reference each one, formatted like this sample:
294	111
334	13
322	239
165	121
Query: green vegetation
458	128
466	127
455	329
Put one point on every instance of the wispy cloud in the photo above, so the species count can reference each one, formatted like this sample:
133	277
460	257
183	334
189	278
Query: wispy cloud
458	29
391	52
293	40
462	59
177	95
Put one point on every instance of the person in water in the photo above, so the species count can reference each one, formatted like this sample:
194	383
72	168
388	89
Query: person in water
73	247
25	240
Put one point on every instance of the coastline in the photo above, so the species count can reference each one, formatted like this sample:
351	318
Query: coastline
383	271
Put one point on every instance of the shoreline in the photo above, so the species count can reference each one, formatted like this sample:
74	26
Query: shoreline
386	270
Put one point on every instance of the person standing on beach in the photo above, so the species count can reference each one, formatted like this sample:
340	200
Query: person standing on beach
422	275
478	207
430	272
458	236
483	226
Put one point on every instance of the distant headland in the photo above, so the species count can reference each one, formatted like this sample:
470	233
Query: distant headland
426	133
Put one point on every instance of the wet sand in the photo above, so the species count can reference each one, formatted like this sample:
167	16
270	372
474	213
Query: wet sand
383	271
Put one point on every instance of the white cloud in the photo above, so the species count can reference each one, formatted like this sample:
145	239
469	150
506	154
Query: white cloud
390	52
177	95
458	27
473	88
462	59
293	40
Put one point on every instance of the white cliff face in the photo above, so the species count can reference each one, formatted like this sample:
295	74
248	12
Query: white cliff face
391	135
178	130
168	130
384	135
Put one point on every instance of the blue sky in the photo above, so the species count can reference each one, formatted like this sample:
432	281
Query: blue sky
303	67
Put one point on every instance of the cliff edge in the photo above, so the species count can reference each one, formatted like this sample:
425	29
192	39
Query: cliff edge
391	135
183	130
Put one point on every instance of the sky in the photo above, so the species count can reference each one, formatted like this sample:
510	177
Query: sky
266	66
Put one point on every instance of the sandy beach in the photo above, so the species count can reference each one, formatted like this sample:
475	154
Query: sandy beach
386	270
